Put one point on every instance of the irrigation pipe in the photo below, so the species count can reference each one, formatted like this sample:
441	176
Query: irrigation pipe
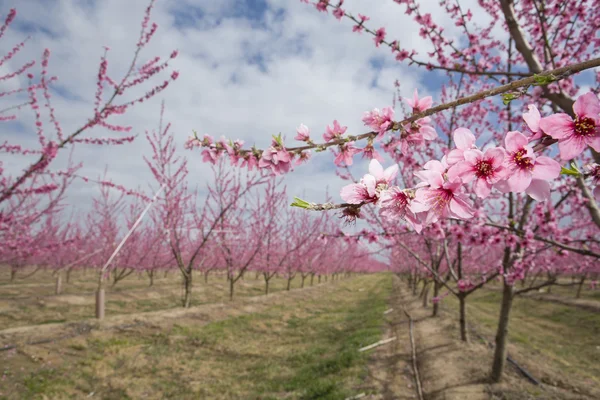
414	354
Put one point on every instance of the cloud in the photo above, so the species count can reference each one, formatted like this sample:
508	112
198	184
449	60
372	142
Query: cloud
247	70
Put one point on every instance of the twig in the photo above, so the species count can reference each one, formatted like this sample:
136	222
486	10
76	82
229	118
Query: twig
381	342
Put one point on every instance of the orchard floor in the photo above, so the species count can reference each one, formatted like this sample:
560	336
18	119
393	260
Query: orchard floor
301	344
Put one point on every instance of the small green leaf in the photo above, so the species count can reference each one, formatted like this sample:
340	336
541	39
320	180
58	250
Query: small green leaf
298	202
567	171
508	97
541	80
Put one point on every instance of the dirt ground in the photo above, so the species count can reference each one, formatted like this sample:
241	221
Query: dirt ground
297	344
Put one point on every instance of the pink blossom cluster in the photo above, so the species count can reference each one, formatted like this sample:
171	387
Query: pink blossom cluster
515	167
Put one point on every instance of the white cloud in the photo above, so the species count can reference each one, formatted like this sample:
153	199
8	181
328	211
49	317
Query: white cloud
316	70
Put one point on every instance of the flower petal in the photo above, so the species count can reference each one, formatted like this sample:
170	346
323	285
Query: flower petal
376	169
545	168
571	147
587	105
463	138
539	190
559	126
515	141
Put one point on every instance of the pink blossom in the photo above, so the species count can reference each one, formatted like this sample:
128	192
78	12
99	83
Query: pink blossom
441	199
394	204
210	154
304	157
526	172
347	151
371	185
419	105
357	193
338	13
322	5
486	168
379	121
303	133
416	134
276	158
532	119
379	36
370	152
382	177
593	170
464	140
575	135
250	162
334	132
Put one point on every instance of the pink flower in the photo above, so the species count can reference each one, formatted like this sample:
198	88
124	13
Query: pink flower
379	121
338	13
250	162
304	157
303	133
379	36
322	5
334	132
593	170
347	151
276	158
419	105
382	177
532	119
395	205
210	154
416	134
526	172
575	135
440	199
371	185
464	140
357	193
487	168
370	152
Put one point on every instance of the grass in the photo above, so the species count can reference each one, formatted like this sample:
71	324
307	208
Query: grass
554	337
292	348
32	301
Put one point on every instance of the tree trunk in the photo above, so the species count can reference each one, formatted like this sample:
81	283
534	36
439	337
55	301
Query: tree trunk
319	279
462	302
13	274
425	294
267	286
100	298
206	276
69	275
502	334
58	287
578	295
436	292
312	278
187	282
414	288
151	278
231	283
302	284
289	283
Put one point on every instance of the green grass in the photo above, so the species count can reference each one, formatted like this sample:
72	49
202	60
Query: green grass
565	336
285	349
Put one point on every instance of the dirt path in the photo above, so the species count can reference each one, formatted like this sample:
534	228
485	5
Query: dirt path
390	366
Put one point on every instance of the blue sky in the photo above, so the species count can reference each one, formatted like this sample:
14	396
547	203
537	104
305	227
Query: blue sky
248	69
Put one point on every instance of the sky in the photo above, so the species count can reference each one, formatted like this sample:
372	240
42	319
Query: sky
248	70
